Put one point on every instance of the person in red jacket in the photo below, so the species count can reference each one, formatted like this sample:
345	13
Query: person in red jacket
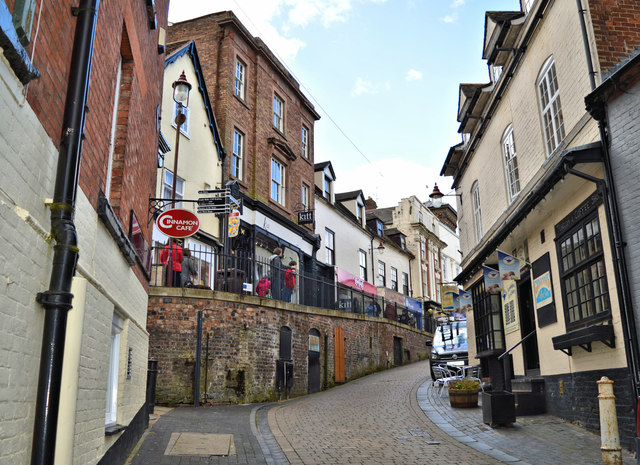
174	264
289	281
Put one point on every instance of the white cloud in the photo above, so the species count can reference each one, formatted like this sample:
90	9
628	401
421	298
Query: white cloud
413	75
367	87
457	3
452	18
389	180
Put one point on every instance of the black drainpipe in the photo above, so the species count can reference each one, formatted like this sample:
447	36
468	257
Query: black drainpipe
57	300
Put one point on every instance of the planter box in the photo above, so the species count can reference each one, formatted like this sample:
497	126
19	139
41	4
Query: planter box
498	408
463	398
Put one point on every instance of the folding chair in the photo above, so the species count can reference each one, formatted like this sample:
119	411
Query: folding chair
475	373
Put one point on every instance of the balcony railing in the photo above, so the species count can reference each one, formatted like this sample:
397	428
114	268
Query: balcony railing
256	276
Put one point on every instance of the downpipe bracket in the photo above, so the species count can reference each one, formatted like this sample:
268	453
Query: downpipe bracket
51	299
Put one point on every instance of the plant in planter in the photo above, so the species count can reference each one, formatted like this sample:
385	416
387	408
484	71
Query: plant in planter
463	393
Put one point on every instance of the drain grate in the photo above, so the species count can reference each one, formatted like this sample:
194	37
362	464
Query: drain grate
200	444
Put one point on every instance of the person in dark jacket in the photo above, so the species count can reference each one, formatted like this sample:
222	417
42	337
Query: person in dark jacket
276	273
189	268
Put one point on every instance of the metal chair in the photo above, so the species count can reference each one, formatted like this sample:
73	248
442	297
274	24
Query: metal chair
442	377
475	373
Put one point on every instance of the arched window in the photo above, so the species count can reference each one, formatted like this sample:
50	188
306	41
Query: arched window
550	107
285	343
477	213
510	163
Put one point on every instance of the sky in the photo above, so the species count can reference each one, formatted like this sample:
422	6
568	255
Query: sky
384	76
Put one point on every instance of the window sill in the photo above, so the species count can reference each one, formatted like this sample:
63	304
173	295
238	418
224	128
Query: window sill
243	102
110	430
583	338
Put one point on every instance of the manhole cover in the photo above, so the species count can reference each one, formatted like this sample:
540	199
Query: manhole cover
200	444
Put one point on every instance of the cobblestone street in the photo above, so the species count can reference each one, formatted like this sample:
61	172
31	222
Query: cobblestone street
373	420
391	417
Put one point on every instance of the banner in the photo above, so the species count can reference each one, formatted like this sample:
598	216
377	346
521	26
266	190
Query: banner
542	290
509	266
356	283
510	307
466	302
413	305
448	293
492	281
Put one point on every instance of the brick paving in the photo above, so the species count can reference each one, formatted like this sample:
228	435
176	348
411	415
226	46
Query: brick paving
536	440
372	420
391	417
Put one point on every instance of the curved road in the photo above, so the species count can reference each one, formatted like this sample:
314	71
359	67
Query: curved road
373	420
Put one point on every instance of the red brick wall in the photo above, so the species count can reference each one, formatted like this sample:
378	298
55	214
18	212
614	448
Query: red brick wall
250	355
220	42
137	161
616	25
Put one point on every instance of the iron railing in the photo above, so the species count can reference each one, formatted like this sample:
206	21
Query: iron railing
256	276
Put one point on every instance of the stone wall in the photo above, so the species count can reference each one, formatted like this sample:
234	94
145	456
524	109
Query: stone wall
240	344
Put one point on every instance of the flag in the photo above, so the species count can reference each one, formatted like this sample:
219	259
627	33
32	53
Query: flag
492	281
509	266
466	302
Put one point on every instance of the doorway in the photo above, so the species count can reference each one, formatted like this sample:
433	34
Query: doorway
313	376
527	325
397	351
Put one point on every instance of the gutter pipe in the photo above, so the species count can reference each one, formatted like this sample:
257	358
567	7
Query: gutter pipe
57	300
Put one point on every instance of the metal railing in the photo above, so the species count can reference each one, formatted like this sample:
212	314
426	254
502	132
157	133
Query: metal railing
205	269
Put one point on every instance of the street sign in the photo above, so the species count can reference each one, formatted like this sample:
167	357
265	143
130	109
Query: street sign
305	217
178	223
211	201
213	191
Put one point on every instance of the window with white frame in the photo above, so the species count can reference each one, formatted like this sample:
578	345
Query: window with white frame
425	290
305	142
240	84
362	258
111	412
184	127
379	228
329	247
405	283
278	113
305	197
277	182
382	273
510	163
423	251
394	279
237	156
550	107
477	213
420	217
167	187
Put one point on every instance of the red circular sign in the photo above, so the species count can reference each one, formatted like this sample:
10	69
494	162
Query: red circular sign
178	223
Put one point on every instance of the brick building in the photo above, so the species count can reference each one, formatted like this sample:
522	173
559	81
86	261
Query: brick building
550	207
94	212
266	124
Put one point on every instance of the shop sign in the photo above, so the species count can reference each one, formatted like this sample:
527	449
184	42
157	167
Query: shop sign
178	223
356	283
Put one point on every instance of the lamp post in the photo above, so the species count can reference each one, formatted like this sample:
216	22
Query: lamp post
436	196
380	249
181	89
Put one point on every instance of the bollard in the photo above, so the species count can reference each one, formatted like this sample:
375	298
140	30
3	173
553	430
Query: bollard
609	437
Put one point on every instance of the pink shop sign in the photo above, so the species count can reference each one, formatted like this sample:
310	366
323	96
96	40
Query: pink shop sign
356	283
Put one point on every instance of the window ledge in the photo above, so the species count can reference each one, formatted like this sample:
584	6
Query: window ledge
583	338
13	50
111	222
110	430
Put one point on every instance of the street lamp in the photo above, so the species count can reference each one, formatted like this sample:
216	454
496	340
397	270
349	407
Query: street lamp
436	196
181	89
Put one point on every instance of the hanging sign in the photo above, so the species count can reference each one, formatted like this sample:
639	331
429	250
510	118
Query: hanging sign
509	266
492	281
510	307
178	223
234	223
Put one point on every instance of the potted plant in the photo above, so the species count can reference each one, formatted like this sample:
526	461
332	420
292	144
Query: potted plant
463	392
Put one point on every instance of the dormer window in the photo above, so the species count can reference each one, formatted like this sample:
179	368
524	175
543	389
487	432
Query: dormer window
359	211
379	228
403	242
326	188
496	72
527	4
